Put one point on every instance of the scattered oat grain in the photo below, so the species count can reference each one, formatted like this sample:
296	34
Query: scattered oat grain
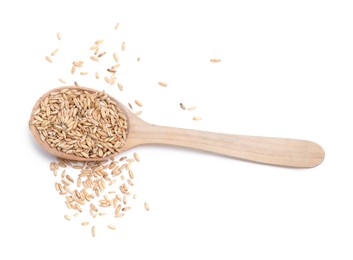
73	69
111	70
48	59
191	108
182	106
112	227
120	86
138	102
101	54
196	118
136	156
123	46
99	41
62	164
85	223
162	84
147	207
215	60
69	178
67	217
78	63
116	57
58	35
94	58
54	52
93	231
53	166
131	174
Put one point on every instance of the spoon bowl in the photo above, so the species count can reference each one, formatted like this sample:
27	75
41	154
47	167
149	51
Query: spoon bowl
267	150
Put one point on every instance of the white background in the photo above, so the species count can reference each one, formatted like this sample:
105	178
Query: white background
286	71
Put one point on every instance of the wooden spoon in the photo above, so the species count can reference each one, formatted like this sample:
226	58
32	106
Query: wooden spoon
266	150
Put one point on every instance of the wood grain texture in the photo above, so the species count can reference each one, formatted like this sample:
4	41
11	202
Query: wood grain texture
267	150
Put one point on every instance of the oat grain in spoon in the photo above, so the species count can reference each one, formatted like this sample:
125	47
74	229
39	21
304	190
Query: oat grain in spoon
84	124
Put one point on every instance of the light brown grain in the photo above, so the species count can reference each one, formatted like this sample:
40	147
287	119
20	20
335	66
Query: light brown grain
53	166
101	54
136	156
112	227
54	52
94	58
63	174
99	41
62	164
93	231
73	69
131	174
48	59
139	103
117	210
191	108
68	177
147	207
162	84
116	57
111	70
120	86
215	60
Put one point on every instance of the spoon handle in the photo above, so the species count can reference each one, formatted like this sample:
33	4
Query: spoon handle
267	150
